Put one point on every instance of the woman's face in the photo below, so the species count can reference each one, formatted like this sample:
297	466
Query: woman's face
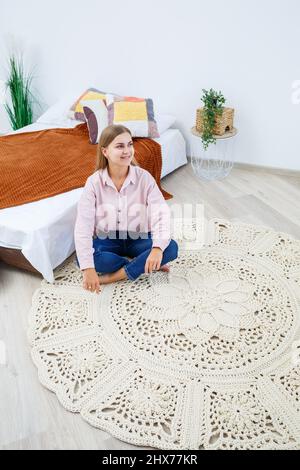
120	151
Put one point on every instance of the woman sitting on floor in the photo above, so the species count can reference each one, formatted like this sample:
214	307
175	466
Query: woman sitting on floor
113	195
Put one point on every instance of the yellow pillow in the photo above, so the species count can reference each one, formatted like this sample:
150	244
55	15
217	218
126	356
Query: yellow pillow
137	114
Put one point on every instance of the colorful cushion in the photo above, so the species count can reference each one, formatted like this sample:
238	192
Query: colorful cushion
135	113
76	111
96	116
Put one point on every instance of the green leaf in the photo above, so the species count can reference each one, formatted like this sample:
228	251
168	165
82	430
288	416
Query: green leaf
20	113
213	106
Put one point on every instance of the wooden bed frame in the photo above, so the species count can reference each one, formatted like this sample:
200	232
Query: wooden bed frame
15	257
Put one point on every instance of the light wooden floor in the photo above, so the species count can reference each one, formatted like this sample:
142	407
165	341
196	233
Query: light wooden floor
31	416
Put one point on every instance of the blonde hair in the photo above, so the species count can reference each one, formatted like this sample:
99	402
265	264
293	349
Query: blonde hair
107	136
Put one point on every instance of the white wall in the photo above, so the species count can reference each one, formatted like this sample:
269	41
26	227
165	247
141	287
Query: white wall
169	50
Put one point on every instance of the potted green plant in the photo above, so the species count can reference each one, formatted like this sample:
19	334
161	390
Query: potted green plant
20	111
213	118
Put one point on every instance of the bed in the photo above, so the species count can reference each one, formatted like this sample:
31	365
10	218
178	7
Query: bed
38	236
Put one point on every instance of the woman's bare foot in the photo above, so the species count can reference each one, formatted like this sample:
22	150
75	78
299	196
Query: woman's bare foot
121	274
113	277
165	268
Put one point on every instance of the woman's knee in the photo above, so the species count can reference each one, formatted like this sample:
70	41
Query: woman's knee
172	249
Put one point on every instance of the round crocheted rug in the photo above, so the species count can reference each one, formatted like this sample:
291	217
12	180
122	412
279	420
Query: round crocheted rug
204	357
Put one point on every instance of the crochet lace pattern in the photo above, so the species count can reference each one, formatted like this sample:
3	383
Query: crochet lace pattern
204	357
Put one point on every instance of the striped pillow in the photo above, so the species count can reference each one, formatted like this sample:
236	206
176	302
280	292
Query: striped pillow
76	111
135	113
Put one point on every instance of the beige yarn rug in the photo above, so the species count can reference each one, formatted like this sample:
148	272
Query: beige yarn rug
204	357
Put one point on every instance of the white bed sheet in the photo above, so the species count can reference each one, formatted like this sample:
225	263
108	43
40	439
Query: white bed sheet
43	230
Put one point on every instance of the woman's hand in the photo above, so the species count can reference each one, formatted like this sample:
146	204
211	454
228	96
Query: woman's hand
91	280
154	260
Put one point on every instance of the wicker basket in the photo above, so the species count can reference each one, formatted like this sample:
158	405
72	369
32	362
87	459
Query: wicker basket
224	123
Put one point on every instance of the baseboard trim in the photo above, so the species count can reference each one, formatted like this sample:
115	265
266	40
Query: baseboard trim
265	169
270	169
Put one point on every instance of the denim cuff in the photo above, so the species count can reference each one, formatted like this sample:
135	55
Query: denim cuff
128	275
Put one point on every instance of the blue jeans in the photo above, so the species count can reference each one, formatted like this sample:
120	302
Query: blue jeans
109	254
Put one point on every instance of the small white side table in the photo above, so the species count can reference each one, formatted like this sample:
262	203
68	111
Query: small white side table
217	160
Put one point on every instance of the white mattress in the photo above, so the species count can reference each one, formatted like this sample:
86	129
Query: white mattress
43	229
